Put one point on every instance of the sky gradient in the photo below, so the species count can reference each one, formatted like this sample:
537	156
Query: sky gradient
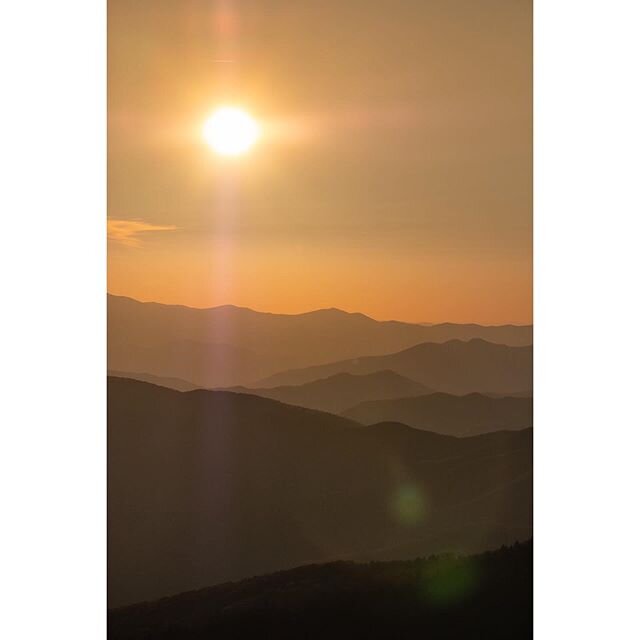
394	177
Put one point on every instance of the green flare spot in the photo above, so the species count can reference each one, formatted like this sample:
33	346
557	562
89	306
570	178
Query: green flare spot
409	505
449	579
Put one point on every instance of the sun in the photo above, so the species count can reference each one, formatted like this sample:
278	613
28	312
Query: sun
230	131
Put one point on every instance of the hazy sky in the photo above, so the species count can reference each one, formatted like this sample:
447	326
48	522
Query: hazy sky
393	177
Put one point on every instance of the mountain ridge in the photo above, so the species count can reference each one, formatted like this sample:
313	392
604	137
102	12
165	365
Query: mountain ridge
470	414
230	346
319	310
449	596
341	391
210	486
455	367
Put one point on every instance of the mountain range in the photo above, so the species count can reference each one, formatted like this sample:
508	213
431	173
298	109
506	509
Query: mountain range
341	391
227	346
211	486
457	367
466	415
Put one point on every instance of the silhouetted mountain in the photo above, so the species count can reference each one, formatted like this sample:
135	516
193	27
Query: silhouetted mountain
467	415
341	391
171	383
226	346
209	486
510	334
442	597
452	367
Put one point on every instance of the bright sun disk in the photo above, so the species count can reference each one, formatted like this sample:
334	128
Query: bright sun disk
230	131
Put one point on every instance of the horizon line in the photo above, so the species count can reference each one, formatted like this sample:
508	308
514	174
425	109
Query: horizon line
302	313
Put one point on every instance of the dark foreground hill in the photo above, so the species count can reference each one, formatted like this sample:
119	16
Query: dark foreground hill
342	390
468	415
452	367
226	346
208	486
482	596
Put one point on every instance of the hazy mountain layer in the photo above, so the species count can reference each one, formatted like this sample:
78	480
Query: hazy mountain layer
466	415
342	390
452	367
442	597
210	486
226	346
171	383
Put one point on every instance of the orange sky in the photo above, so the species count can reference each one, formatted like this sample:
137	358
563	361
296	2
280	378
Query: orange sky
394	177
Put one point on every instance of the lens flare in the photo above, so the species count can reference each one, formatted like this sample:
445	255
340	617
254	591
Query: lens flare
448	579
409	505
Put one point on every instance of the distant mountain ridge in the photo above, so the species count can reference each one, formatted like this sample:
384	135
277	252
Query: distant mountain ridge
228	346
341	390
456	367
452	415
210	486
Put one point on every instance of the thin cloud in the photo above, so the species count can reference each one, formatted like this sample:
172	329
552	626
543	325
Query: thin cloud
129	232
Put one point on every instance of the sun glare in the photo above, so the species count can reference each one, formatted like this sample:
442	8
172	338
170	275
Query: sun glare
230	131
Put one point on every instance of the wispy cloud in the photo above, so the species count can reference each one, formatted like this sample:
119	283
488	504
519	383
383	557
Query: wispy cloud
129	232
